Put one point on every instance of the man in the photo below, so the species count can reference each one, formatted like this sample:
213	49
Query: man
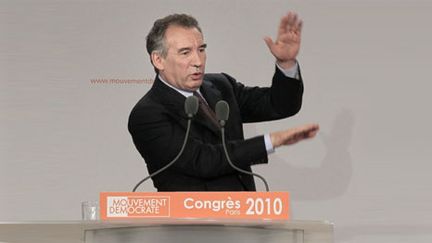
158	122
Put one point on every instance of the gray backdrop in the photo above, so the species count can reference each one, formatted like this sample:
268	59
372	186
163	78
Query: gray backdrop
366	68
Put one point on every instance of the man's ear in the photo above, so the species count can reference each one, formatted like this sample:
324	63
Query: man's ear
157	60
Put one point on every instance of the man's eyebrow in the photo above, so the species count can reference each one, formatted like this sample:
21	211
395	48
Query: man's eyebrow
184	49
189	48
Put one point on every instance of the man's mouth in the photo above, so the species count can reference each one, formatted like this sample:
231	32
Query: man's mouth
197	75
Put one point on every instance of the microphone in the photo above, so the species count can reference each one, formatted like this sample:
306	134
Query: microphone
222	114
191	108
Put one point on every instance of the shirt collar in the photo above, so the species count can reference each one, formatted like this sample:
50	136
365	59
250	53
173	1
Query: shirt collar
182	92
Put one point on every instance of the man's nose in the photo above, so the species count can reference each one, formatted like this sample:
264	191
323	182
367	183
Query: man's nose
196	59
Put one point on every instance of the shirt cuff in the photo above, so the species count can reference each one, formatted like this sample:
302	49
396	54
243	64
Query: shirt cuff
268	144
291	72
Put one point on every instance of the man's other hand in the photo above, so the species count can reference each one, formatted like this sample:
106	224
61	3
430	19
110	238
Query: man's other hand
293	135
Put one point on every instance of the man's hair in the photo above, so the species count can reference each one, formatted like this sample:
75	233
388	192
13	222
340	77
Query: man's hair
156	36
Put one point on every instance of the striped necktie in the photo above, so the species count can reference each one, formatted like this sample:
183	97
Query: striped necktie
204	107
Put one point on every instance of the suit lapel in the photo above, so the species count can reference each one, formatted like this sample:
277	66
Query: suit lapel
172	100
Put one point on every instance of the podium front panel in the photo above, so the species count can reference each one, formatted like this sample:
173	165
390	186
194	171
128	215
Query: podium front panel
194	233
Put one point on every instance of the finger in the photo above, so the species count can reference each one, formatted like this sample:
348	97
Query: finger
313	130
283	25
303	136
308	126
314	126
294	22
269	42
299	26
308	129
311	134
290	21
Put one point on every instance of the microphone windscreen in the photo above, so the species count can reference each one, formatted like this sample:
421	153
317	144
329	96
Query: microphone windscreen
191	106
222	110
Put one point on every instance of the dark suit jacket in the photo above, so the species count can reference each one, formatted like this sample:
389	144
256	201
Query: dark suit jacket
158	124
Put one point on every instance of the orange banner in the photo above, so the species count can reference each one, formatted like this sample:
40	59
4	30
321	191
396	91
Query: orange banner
219	205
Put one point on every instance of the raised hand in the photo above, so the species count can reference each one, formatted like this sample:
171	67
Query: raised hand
287	44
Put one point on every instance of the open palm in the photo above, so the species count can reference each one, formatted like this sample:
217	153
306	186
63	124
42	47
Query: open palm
287	44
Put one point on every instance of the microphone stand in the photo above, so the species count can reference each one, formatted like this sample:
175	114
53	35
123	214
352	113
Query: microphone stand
222	114
172	161
237	168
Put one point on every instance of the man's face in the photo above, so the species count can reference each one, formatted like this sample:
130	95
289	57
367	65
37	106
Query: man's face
184	65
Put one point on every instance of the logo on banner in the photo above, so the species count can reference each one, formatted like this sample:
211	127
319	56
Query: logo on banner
138	206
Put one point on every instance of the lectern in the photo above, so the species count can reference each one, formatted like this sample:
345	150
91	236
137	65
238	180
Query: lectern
165	217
